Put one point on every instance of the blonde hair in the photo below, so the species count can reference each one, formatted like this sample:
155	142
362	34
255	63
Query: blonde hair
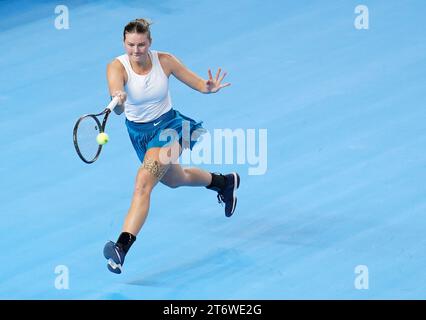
138	26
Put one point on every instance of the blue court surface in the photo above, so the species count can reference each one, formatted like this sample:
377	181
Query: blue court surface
338	210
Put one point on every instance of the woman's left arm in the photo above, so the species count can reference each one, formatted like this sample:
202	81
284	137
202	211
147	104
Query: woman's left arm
181	72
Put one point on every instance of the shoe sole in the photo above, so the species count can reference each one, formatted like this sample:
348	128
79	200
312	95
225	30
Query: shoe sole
236	186
110	253
114	267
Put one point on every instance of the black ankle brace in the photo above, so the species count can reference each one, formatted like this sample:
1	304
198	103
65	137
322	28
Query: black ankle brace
125	241
218	182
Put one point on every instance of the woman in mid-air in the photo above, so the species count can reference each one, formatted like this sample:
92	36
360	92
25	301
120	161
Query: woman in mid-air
140	79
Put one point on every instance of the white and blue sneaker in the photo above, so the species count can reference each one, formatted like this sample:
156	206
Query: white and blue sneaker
115	256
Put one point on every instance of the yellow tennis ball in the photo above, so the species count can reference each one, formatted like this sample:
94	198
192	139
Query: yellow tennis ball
102	138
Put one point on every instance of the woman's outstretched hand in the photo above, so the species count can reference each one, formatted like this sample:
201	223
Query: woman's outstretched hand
214	85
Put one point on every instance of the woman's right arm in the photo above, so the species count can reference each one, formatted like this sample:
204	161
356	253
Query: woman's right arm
116	81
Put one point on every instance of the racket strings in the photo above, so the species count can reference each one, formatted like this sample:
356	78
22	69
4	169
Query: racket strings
88	130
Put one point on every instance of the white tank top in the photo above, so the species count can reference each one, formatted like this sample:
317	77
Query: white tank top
148	96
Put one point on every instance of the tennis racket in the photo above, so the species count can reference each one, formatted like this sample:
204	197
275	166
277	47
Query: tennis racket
86	129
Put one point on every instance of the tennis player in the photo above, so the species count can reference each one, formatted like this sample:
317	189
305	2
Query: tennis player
140	79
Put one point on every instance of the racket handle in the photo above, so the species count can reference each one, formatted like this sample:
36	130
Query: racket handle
113	103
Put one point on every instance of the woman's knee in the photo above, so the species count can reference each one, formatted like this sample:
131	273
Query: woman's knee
172	182
144	182
173	185
175	178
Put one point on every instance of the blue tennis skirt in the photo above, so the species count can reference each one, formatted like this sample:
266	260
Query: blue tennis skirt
163	131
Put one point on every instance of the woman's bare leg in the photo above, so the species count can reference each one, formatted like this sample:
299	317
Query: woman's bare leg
150	172
176	176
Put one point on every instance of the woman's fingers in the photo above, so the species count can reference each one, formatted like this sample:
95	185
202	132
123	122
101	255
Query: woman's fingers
122	96
214	85
218	73
223	76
